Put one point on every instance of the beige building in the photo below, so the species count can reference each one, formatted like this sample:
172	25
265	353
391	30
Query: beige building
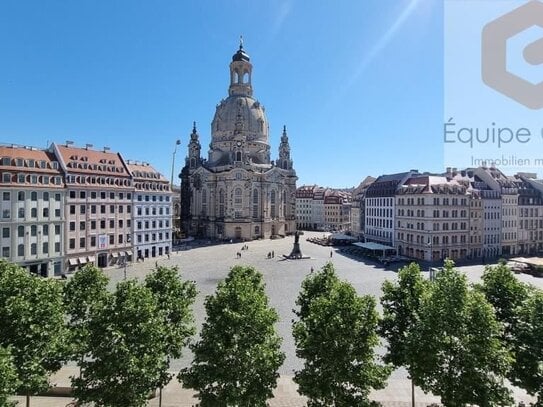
98	212
32	221
238	192
432	218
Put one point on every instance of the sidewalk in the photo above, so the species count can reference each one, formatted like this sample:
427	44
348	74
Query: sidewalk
396	394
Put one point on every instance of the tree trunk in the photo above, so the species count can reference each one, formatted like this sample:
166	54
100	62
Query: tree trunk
28	400
160	396
412	393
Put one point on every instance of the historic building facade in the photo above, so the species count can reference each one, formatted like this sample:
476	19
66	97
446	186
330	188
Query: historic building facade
152	211
32	221
238	191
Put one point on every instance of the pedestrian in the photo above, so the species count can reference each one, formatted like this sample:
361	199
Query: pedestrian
273	253
168	256
331	253
312	269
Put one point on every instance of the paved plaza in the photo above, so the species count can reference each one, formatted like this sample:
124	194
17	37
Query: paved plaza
207	265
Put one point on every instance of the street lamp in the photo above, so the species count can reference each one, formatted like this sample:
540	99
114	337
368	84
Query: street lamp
173	161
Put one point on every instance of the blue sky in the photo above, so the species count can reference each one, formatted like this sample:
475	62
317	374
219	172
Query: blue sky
359	84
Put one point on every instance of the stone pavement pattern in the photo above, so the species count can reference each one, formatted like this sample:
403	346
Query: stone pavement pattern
207	265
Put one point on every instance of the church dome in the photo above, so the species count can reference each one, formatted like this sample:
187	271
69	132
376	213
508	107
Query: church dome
240	115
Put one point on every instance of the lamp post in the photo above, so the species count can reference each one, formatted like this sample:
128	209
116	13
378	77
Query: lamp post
173	161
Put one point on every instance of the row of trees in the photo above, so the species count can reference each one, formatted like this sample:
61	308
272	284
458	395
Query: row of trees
457	341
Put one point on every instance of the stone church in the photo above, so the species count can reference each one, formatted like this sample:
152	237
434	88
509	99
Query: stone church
238	192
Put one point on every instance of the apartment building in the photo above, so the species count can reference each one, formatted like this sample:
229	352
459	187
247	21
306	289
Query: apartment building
358	208
432	218
530	214
153	209
304	207
380	207
98	211
337	210
32	206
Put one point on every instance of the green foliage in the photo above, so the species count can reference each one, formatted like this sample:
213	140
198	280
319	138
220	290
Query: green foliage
455	349
506	294
401	303
31	325
237	358
336	336
127	353
8	377
83	295
527	369
175	298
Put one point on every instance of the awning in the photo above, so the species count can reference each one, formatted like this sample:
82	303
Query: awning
115	254
91	259
341	236
128	253
72	262
373	246
82	260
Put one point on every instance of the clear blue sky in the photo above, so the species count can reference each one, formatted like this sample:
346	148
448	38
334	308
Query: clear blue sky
358	83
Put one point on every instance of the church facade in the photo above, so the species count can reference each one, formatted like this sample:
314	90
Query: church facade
238	192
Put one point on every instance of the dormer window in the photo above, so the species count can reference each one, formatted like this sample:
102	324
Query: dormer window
54	164
31	163
19	162
6	161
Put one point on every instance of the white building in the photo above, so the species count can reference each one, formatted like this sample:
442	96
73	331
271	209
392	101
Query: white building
32	207
153	211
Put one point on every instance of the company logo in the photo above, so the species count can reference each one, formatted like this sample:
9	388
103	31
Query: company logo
494	54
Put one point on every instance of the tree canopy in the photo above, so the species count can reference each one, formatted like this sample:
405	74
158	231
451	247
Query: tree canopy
336	336
31	326
238	354
127	352
455	348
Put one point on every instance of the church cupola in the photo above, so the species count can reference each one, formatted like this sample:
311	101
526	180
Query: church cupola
240	73
194	159
284	161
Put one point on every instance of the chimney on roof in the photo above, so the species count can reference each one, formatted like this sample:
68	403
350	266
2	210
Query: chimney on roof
87	146
69	143
106	149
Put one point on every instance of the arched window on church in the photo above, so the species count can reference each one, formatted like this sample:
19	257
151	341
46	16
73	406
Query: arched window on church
204	202
192	162
238	203
255	203
284	204
221	203
235	77
238	156
245	77
273	213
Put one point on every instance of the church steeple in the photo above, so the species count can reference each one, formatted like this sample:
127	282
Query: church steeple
194	159
284	161
240	73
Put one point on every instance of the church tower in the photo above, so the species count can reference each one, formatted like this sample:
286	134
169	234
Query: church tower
240	73
284	161
194	157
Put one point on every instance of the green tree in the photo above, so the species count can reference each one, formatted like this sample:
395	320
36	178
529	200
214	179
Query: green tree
83	294
336	335
31	326
127	355
237	358
527	371
8	377
175	298
506	294
401	303
455	348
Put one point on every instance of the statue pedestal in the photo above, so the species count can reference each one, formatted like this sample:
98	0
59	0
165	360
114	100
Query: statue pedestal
296	253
